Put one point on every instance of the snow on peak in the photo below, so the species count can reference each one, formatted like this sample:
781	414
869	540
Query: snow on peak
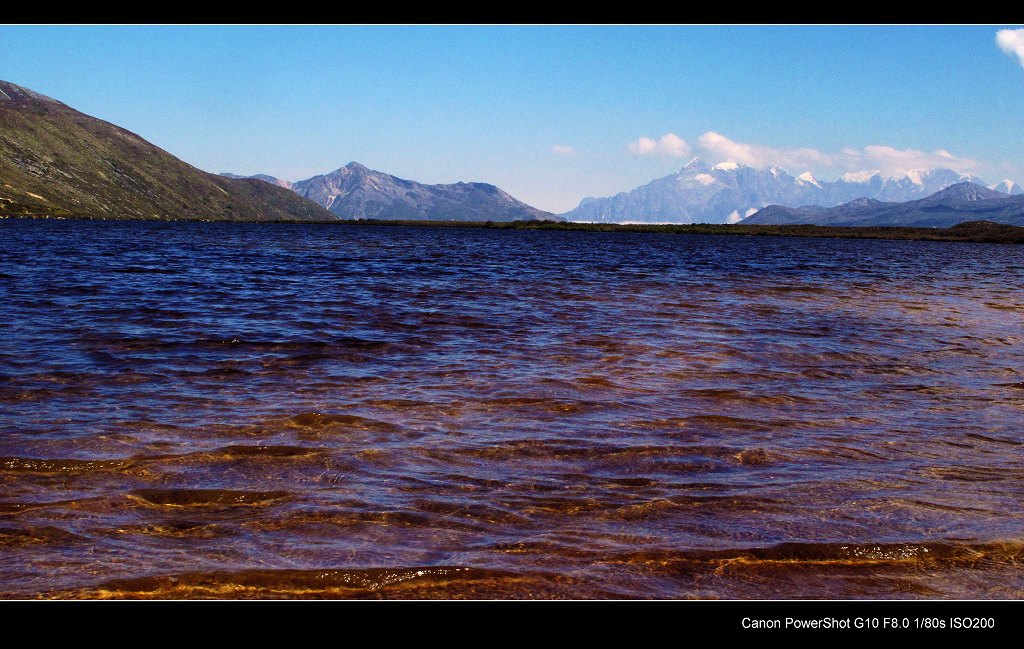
728	165
860	176
1006	186
914	175
705	179
808	177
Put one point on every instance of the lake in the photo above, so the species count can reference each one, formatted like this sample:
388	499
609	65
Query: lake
275	410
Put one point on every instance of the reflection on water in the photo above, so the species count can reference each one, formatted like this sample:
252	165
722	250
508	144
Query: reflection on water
227	410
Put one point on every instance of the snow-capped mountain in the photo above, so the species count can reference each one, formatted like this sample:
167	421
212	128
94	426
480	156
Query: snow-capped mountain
728	192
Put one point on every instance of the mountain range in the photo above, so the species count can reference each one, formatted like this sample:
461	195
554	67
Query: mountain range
357	192
957	203
56	161
729	192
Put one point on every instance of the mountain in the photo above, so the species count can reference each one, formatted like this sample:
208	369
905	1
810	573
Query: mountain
697	193
357	192
1008	187
727	192
56	161
955	204
781	215
264	177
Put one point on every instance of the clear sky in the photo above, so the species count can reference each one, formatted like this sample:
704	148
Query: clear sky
550	114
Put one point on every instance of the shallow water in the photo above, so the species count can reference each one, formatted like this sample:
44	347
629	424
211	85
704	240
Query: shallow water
235	410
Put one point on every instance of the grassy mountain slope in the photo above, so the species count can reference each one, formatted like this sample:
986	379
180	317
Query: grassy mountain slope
56	161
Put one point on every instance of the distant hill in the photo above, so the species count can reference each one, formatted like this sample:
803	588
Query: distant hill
955	204
357	192
264	177
1008	187
728	192
56	161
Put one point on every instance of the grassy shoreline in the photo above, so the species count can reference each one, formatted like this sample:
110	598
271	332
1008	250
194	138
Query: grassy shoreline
972	232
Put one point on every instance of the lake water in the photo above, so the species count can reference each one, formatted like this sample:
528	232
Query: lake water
243	410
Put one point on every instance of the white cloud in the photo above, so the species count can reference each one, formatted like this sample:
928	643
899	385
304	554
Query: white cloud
734	217
563	149
721	149
643	146
896	163
889	161
1011	41
669	144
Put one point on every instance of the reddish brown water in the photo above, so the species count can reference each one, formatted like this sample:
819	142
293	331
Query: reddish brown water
197	410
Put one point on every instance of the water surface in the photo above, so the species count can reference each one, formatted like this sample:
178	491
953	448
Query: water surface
242	410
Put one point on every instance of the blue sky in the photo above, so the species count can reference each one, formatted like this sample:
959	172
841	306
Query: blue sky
550	114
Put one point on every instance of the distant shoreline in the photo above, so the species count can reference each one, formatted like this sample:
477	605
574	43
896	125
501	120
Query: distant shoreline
968	232
974	231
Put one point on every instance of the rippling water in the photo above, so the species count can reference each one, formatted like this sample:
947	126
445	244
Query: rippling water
230	410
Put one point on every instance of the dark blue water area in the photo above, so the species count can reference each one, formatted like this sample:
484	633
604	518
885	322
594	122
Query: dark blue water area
470	412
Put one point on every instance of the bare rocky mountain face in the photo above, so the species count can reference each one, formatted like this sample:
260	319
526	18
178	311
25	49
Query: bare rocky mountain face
955	204
357	192
56	161
729	192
